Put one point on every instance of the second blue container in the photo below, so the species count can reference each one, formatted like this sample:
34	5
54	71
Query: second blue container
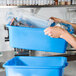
35	66
35	39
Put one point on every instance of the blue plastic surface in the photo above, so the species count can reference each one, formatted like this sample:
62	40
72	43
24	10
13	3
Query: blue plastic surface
35	39
35	66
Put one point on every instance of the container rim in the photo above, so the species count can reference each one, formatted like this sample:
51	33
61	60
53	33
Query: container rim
32	67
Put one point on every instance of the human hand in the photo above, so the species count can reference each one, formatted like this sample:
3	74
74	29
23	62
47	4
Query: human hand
57	20
55	32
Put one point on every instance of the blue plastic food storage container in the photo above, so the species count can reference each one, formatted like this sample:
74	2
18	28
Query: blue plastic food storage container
35	66
35	39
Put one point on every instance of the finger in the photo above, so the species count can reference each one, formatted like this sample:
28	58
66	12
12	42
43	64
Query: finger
56	37
52	36
49	28
46	29
48	32
52	18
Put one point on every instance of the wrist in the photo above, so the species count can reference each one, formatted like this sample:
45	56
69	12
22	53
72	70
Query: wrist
64	34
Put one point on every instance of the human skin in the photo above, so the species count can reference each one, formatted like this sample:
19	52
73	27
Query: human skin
63	21
58	32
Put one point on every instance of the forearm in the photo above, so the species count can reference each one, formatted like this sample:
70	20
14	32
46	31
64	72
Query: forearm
69	38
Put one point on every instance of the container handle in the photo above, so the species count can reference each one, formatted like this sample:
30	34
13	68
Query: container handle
6	38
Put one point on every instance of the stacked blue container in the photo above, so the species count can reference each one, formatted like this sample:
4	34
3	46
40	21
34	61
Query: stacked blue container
34	39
